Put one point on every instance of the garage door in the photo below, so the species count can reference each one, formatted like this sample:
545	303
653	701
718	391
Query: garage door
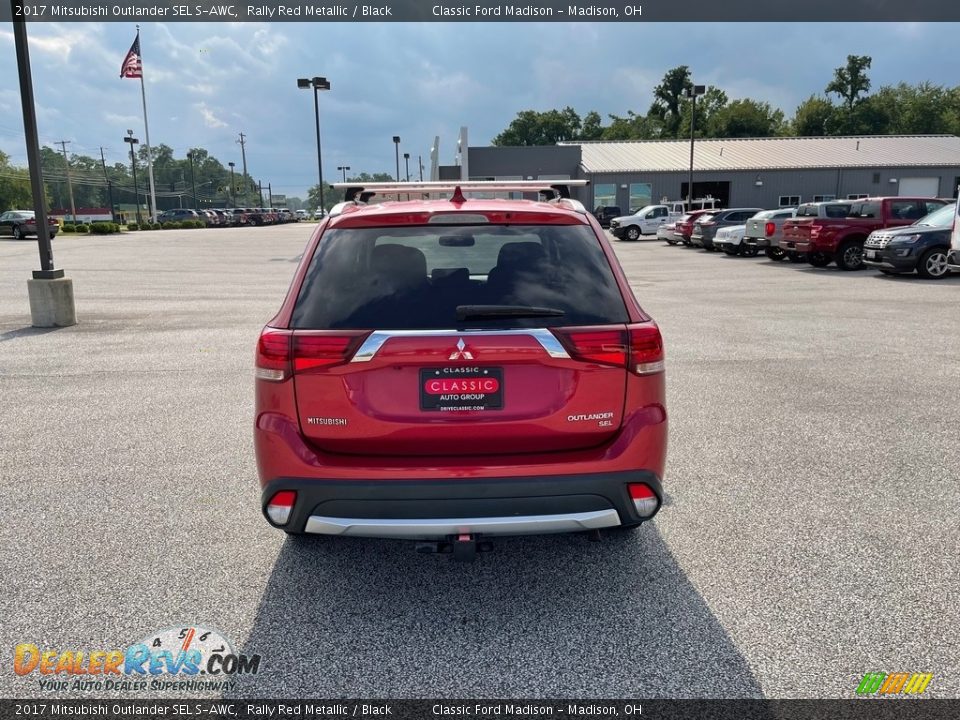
919	187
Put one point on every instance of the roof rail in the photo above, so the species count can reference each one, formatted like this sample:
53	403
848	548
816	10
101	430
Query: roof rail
423	190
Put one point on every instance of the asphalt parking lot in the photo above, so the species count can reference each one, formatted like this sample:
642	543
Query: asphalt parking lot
811	532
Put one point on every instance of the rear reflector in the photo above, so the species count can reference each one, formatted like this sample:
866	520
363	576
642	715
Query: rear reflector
280	506
644	499
646	349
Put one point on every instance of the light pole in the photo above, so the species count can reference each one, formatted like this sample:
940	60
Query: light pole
344	168
233	202
406	162
396	146
692	93
420	163
131	140
318	84
193	179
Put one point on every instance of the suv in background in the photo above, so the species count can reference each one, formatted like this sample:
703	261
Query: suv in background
922	247
178	215
605	213
458	368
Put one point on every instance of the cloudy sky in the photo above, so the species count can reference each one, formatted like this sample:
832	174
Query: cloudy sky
208	82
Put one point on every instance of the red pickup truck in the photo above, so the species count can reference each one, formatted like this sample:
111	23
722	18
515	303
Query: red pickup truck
825	239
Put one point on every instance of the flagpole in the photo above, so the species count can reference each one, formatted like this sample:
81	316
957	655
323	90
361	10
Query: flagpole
146	130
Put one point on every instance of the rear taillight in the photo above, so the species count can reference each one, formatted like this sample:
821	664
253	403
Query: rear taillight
31	221
770	228
639	349
644	499
314	351
280	506
273	355
280	353
646	349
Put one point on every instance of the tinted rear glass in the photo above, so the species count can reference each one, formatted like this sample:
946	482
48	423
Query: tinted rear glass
416	277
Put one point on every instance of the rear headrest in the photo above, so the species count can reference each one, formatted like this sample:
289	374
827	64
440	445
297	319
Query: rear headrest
520	254
402	266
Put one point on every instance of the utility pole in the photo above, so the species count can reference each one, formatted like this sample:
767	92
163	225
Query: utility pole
103	163
242	142
420	163
270	193
73	208
260	189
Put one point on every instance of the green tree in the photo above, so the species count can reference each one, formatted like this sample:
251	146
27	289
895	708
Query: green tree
812	117
632	127
14	186
850	82
709	104
668	99
592	127
541	128
745	118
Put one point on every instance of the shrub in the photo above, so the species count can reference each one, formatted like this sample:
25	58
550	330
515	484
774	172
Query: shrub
81	228
199	224
104	228
155	226
170	225
133	226
67	228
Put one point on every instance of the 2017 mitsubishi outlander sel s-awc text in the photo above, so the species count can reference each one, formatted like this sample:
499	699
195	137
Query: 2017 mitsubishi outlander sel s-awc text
448	369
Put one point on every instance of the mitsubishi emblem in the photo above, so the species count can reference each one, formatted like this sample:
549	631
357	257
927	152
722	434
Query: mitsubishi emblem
461	353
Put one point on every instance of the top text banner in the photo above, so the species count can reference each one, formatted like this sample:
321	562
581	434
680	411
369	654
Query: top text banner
433	11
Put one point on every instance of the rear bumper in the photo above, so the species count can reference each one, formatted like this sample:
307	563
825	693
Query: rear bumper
759	242
432	509
800	246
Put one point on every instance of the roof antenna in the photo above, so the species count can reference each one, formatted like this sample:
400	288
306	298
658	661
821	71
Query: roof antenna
858	144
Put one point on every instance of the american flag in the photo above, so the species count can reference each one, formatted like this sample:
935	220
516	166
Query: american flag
132	66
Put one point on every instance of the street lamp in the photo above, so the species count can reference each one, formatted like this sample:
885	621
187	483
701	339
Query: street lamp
692	93
131	140
406	162
193	179
396	146
233	203
317	83
344	168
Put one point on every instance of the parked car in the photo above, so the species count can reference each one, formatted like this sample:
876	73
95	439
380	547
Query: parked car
301	215
922	247
684	226
729	240
178	215
764	230
668	231
286	215
224	217
19	224
828	239
605	213
542	412
707	225
645	221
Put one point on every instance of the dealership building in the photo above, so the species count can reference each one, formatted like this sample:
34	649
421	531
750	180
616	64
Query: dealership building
738	172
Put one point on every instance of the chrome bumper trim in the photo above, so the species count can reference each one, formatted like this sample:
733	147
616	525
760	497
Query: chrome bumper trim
443	527
371	346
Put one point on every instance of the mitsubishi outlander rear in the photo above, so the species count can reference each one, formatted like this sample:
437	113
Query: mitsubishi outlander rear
451	369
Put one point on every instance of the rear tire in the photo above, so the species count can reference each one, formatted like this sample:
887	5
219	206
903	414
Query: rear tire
775	254
749	250
819	259
17	233
933	264
849	256
795	257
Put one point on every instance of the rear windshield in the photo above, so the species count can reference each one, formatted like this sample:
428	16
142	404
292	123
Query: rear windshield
417	277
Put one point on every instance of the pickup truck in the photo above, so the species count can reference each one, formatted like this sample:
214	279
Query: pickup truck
645	221
764	231
840	239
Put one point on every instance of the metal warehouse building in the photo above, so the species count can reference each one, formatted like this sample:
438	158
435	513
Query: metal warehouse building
747	172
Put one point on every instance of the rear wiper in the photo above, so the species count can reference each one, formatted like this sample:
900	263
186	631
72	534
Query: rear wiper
485	312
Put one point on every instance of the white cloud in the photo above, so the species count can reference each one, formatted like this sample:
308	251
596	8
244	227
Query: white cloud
125	120
209	118
201	88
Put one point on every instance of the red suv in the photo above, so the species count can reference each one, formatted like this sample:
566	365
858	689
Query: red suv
447	369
